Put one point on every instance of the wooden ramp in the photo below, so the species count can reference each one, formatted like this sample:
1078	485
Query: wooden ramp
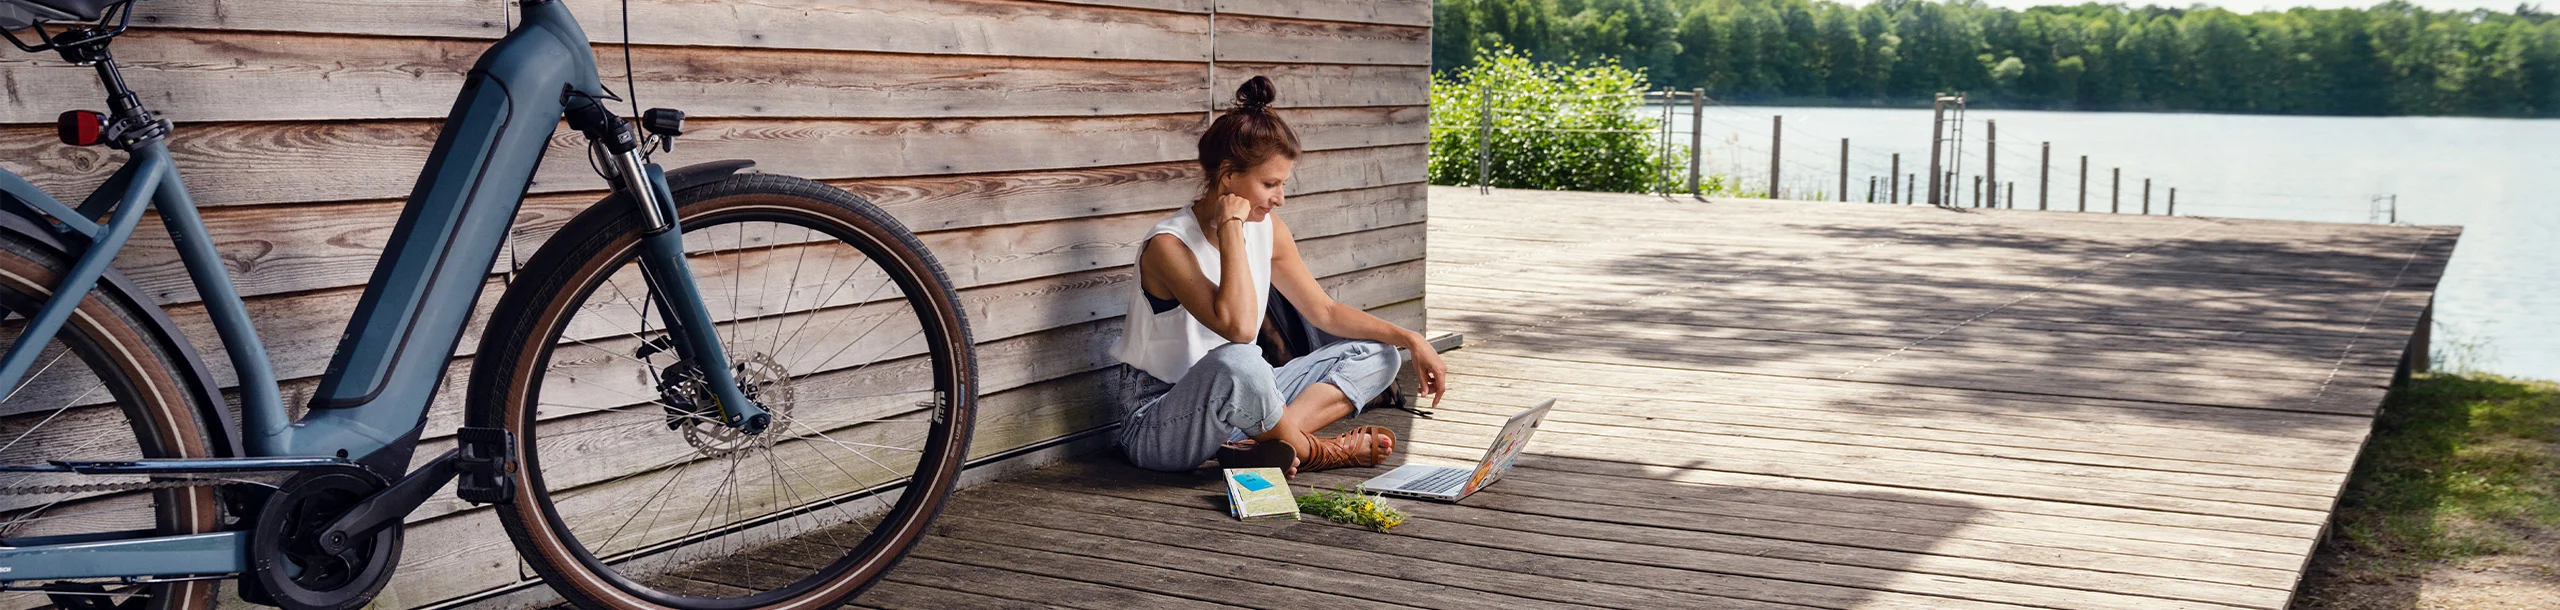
1789	404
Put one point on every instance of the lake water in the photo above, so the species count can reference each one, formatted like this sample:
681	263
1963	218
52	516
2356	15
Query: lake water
2498	178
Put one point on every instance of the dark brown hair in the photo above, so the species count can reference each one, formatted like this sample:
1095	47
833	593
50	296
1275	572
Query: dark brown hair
1247	135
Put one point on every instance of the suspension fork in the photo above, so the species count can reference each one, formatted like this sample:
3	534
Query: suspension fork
662	260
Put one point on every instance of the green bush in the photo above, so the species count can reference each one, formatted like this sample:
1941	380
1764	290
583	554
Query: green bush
1554	127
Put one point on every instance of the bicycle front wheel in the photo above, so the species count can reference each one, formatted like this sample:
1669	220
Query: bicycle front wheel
629	493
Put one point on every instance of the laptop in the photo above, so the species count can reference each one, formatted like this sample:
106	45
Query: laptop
1448	484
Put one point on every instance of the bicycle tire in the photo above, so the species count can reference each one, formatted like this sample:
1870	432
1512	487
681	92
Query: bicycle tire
544	323
138	367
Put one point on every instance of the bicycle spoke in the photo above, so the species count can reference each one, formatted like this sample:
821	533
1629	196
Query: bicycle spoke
848	280
791	285
48	418
645	502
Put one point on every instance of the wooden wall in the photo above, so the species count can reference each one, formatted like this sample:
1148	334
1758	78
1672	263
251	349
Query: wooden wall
1029	142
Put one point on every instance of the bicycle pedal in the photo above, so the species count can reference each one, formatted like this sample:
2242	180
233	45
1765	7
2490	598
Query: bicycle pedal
485	472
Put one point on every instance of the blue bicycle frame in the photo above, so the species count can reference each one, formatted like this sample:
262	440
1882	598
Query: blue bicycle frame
372	400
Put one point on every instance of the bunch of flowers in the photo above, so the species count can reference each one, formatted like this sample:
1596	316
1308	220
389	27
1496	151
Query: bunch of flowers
1347	505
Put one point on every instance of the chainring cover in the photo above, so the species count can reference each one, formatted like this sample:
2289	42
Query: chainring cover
285	559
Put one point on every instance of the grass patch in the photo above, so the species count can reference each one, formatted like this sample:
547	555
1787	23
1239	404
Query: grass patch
2458	467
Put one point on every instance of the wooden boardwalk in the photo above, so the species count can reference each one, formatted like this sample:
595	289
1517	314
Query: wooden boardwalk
1785	404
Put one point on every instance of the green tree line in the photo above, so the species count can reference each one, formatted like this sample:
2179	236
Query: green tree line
2393	58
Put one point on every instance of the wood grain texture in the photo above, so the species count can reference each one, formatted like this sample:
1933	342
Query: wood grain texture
202	76
972	27
258	163
1262	39
1394	12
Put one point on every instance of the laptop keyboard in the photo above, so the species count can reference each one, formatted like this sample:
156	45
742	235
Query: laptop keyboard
1445	481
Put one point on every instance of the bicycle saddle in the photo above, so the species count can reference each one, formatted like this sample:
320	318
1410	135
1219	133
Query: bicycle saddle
52	10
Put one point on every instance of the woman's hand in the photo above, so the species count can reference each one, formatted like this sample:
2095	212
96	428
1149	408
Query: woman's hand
1233	209
1430	371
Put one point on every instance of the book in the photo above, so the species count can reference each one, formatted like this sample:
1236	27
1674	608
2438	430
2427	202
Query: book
1258	494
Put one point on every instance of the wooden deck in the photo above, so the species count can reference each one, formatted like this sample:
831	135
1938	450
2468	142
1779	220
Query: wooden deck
1784	404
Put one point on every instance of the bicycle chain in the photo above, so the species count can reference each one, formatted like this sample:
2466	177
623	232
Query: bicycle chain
39	490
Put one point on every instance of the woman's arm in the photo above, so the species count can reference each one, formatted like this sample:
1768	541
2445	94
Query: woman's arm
1166	267
1289	274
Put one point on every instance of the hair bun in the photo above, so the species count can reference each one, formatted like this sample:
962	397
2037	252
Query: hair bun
1255	95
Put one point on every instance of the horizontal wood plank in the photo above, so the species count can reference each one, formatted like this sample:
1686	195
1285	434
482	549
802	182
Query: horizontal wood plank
259	163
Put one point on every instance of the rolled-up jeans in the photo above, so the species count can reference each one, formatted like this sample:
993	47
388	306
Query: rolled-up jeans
1232	394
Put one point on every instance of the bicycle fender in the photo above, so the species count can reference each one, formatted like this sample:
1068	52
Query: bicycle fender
707	172
220	426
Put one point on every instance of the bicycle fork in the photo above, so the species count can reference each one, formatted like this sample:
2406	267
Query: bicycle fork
695	336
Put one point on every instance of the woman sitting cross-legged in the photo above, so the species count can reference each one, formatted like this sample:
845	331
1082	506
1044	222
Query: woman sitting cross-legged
1203	277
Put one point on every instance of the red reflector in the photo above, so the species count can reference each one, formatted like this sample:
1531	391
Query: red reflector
80	127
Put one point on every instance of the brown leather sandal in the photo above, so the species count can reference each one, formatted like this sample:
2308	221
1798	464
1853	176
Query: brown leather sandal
1349	449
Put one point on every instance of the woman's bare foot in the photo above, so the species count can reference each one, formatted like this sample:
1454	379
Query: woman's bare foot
1362	446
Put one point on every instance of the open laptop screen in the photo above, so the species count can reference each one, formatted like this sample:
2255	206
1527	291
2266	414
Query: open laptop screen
1507	446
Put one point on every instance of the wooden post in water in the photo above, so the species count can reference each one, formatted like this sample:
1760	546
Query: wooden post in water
1893	181
2012	190
1910	187
2173	201
2084	183
2115	192
2146	196
2044	178
1871	191
1844	169
1977	193
1777	133
1697	137
1991	160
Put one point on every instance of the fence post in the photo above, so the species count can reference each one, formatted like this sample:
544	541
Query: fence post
2146	196
2044	178
1484	140
1777	133
2115	192
1893	181
1910	187
1977	193
1937	137
2084	183
1697	137
1844	169
1871	191
1991	159
2173	201
2012	190
1664	140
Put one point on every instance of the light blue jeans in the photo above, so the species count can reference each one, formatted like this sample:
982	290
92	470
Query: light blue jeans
1231	394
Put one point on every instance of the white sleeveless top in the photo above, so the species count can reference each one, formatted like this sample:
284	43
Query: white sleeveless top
1166	344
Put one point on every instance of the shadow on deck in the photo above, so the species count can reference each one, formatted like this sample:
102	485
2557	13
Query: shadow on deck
1783	405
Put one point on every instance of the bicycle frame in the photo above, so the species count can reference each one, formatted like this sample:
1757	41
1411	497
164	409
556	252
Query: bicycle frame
372	401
